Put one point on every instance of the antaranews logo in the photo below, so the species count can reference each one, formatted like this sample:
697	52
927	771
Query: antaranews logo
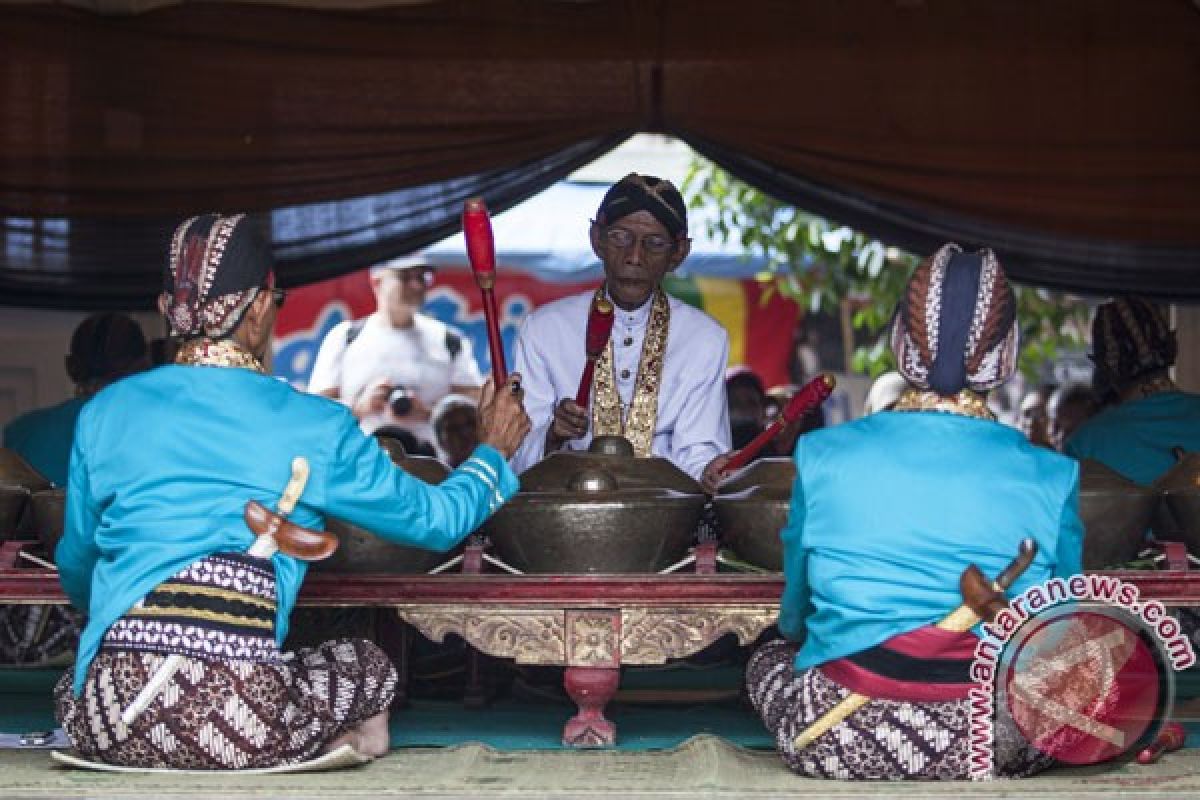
1080	667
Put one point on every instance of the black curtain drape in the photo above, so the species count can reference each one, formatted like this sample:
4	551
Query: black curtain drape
117	263
1058	262
1066	134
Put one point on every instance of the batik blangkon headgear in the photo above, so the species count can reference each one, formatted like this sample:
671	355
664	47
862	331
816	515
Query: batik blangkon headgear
217	266
635	193
1131	338
956	326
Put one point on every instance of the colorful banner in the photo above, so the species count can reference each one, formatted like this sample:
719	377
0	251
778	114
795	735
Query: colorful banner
760	332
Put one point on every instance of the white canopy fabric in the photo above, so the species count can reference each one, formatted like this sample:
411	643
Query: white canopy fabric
547	236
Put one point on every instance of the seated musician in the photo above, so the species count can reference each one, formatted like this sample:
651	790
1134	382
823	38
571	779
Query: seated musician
105	347
886	513
155	546
661	380
1134	349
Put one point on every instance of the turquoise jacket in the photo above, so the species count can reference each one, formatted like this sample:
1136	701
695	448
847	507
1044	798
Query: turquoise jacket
43	438
1136	438
888	510
165	461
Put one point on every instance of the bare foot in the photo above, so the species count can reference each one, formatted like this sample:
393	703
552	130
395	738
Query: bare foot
371	738
351	737
374	736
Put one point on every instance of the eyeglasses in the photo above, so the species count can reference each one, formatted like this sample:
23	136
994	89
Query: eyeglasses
415	275
624	239
278	296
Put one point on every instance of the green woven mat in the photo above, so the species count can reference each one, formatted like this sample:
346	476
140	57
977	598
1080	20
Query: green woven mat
703	767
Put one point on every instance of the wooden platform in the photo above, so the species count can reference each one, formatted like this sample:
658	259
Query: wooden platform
20	582
590	624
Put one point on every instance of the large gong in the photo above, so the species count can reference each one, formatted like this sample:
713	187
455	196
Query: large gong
603	511
1116	514
360	551
1180	487
752	508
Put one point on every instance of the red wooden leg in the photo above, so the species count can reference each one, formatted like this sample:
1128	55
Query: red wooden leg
475	693
591	688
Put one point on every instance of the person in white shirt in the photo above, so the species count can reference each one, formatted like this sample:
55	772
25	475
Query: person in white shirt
393	366
661	380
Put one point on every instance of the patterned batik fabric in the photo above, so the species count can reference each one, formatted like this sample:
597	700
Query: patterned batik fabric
225	714
956	325
639	424
217	266
33	635
221	606
1131	338
884	740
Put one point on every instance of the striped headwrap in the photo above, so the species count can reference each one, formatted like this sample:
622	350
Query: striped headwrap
956	326
217	266
1131	338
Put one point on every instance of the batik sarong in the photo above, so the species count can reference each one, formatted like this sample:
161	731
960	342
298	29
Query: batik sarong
237	702
36	635
883	740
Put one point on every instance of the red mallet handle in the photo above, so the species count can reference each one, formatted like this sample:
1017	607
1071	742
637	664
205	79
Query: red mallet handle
481	250
809	397
599	327
1169	739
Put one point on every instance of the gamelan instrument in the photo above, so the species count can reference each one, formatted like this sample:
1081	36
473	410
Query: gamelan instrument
599	328
811	395
752	507
602	511
1178	517
1115	513
18	482
981	601
273	533
481	250
361	551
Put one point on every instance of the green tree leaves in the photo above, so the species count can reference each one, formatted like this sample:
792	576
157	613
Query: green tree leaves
825	266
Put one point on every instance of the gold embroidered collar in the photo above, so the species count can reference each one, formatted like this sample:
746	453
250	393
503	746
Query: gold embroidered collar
217	353
967	403
638	425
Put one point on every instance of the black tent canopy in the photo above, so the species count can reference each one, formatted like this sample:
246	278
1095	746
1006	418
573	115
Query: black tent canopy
1064	133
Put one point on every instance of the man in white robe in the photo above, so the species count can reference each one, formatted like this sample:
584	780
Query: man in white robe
361	362
661	381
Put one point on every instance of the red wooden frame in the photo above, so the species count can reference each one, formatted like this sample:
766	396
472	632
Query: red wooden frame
20	584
